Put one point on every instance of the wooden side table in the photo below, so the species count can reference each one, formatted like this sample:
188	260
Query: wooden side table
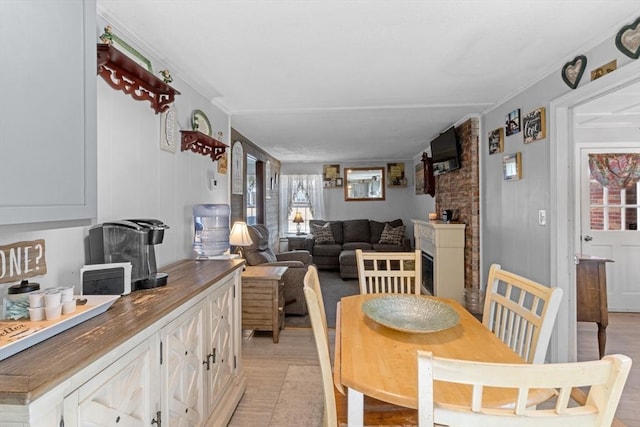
296	242
263	299
591	283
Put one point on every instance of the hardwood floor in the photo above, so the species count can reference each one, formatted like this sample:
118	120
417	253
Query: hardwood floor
266	364
623	336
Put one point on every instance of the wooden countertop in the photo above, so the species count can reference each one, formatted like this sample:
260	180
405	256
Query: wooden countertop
29	374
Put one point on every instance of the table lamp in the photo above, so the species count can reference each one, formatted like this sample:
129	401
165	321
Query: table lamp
298	220
239	236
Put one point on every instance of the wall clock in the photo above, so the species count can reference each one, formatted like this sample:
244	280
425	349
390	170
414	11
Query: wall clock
169	130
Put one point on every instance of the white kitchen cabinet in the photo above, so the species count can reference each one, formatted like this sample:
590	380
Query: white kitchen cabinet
198	373
222	309
124	394
181	370
48	117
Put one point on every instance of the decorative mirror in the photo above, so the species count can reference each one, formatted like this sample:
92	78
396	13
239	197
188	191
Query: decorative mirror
364	184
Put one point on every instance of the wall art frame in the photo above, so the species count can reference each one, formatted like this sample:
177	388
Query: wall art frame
329	175
496	141
602	70
512	166
237	168
395	175
573	70
419	178
169	130
512	123
534	125
628	39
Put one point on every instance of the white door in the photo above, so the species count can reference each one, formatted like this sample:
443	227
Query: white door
609	221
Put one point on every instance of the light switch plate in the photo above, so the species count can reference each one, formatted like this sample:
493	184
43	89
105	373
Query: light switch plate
542	217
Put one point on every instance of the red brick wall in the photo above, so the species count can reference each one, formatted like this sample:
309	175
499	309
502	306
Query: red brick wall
460	190
615	213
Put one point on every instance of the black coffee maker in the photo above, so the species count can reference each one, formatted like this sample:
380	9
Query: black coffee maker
131	240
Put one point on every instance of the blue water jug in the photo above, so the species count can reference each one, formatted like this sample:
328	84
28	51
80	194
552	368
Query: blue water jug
211	229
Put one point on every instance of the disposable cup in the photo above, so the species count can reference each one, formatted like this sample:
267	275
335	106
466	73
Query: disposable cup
36	299
36	314
52	298
69	307
52	312
66	293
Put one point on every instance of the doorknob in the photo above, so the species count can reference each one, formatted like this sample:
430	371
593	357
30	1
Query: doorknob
588	238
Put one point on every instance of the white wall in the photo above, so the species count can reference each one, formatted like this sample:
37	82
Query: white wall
510	232
135	179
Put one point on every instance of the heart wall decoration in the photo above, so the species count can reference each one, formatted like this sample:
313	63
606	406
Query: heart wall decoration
573	70
628	39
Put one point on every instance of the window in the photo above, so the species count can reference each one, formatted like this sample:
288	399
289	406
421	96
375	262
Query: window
251	191
301	193
613	195
300	202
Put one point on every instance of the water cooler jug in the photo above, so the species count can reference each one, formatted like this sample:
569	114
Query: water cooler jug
211	229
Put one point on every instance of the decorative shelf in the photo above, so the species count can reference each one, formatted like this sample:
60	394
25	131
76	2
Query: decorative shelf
123	73
201	143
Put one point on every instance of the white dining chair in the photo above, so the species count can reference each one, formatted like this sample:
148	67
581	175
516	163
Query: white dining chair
604	378
520	312
389	272
335	402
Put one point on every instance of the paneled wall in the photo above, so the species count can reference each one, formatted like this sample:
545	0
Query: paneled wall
272	198
460	190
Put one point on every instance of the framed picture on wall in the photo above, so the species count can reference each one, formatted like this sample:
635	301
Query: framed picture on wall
329	175
420	178
237	168
512	166
395	175
534	125
512	122
496	141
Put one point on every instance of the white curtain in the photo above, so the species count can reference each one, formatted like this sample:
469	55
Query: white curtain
292	187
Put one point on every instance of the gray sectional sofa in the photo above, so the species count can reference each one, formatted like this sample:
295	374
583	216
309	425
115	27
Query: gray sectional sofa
349	235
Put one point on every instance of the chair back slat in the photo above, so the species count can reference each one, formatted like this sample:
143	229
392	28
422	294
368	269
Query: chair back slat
520	312
389	272
604	378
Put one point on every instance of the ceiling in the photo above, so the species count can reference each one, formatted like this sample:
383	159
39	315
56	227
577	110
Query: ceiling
358	81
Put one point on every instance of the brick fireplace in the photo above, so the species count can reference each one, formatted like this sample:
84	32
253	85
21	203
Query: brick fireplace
460	190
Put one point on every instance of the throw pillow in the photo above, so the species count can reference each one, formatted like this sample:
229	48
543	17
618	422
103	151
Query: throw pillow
322	234
392	235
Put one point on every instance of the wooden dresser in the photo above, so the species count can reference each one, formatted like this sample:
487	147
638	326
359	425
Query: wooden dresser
591	283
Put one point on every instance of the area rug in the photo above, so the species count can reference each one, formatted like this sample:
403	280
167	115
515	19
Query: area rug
300	402
333	288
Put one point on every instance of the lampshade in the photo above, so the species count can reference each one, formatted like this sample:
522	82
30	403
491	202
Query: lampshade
298	218
240	234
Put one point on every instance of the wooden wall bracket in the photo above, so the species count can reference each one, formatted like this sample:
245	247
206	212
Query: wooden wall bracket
123	73
201	143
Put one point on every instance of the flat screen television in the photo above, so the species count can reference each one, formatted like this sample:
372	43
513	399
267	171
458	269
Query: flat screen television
445	152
